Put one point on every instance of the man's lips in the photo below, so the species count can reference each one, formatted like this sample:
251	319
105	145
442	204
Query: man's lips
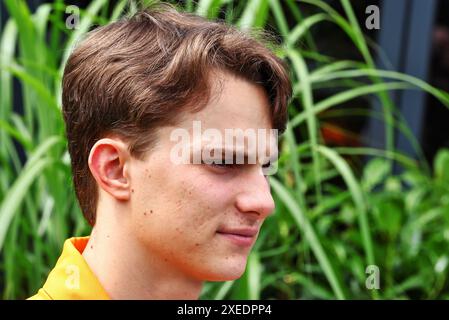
246	232
239	236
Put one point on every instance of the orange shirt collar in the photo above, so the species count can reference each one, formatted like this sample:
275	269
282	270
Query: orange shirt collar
72	278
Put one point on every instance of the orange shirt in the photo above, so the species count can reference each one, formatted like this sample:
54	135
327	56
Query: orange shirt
71	278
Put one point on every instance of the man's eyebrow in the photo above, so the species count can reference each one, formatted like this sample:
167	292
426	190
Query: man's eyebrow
230	155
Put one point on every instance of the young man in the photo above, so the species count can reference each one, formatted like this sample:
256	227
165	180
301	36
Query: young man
160	227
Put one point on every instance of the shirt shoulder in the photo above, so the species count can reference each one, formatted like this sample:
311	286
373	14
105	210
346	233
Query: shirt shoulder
40	295
72	278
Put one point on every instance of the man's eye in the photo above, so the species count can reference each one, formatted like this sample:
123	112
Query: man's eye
220	164
224	165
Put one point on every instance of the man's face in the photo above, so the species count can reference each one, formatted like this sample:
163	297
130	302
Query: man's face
203	219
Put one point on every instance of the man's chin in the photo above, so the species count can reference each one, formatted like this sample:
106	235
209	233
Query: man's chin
227	274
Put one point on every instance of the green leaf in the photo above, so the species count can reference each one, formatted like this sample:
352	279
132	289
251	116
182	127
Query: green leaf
16	194
441	165
254	276
388	213
301	29
357	195
254	15
303	223
375	172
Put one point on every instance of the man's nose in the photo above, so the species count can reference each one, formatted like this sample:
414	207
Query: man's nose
255	195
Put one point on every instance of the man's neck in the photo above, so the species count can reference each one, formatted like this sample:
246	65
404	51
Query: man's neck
127	271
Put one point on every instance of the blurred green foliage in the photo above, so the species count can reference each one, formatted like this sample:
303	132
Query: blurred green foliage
333	218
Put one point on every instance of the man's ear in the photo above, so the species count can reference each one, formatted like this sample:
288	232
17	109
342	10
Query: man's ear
108	163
